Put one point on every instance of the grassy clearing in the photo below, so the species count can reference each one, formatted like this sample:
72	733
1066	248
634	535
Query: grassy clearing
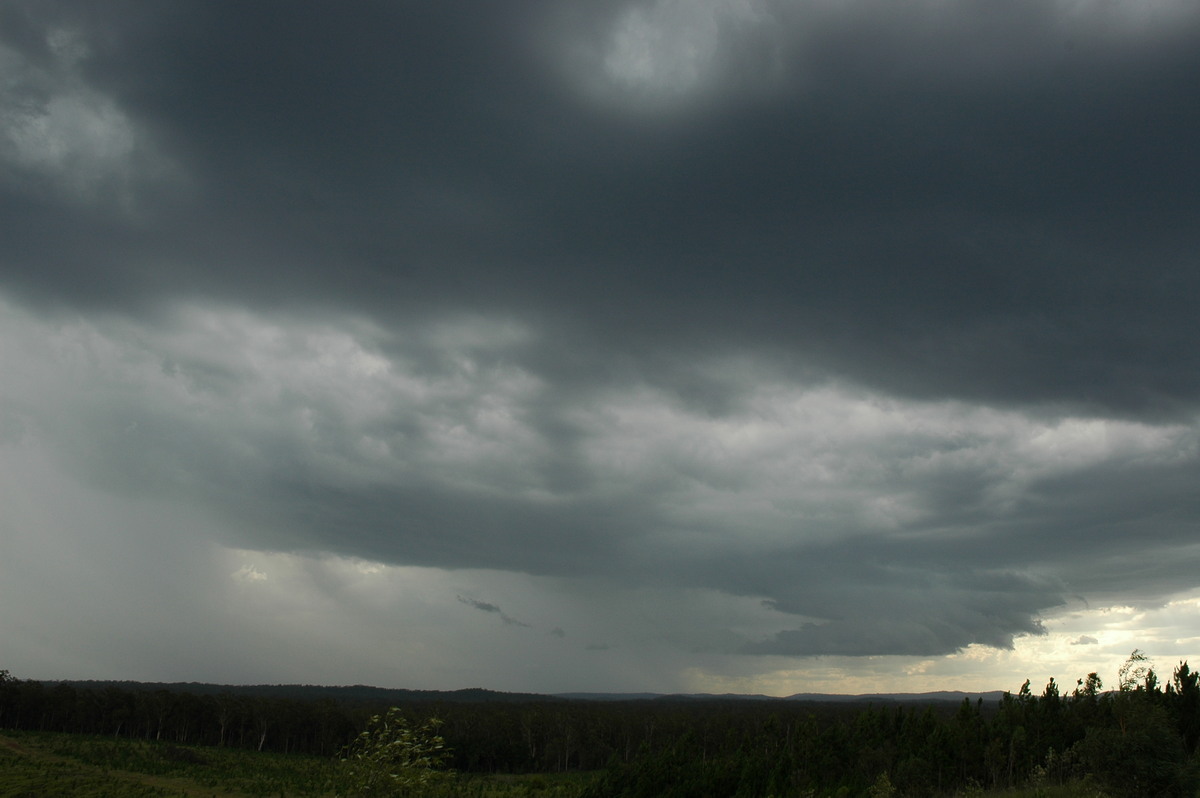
35	764
72	766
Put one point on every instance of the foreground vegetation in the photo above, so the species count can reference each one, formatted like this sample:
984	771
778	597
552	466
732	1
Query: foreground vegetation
78	766
85	766
36	764
55	763
1140	739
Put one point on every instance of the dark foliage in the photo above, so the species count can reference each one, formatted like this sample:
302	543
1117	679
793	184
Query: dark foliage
1141	739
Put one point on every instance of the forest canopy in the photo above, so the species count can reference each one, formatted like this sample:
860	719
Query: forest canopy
1138	738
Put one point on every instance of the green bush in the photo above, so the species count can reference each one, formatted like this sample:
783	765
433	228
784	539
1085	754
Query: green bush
393	757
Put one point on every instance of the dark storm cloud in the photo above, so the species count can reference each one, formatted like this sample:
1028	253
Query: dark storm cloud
1006	223
479	605
969	204
486	607
914	608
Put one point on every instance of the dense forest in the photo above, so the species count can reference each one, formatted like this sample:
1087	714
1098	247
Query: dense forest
1139	738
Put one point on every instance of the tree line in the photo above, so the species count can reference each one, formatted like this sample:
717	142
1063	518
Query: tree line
231	719
1139	738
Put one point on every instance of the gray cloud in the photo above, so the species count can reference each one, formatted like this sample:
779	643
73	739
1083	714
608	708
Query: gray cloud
1001	214
828	308
486	607
480	605
897	527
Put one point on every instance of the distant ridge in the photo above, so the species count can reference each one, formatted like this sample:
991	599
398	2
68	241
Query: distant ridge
477	695
954	696
358	693
608	696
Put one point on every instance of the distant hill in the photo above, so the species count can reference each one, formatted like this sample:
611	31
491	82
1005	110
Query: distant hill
364	694
664	697
825	698
953	696
353	694
608	696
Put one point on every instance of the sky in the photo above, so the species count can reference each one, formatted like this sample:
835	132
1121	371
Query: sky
756	346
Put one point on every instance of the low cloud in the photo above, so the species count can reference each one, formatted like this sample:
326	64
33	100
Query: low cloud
492	608
875	525
248	573
818	328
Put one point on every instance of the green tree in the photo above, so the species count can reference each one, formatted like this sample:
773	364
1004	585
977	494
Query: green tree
1136	673
8	694
1186	692
393	757
882	788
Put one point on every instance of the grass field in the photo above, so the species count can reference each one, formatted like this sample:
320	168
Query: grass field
41	764
72	765
37	764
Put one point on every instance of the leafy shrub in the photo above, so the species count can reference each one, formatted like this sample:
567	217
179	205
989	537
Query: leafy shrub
393	757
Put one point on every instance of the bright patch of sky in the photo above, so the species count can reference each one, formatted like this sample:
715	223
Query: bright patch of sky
59	131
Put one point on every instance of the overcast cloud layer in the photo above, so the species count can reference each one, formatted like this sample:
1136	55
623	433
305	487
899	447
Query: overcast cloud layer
627	345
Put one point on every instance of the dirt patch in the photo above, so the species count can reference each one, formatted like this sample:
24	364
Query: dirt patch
14	745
